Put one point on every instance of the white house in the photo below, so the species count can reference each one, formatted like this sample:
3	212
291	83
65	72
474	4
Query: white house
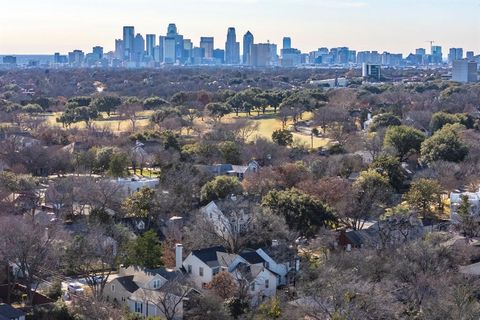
133	184
255	269
456	199
234	219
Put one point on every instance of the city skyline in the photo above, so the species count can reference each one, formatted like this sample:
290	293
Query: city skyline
363	25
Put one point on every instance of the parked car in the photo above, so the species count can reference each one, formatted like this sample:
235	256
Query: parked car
75	287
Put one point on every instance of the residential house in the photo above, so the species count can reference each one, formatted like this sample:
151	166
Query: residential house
229	217
232	170
133	184
7	312
256	270
136	288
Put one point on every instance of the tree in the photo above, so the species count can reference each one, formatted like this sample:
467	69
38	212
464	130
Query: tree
34	249
217	110
282	137
106	103
223	285
302	212
207	307
440	119
384	120
153	103
371	192
390	167
94	256
404	139
219	188
145	251
468	223
159	116
446	145
230	152
118	164
141	204
423	194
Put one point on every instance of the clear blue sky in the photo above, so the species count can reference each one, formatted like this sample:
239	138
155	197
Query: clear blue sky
46	26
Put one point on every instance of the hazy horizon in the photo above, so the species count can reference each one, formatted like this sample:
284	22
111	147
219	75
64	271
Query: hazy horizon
30	27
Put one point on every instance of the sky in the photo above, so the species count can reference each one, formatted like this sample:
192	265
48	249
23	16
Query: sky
398	26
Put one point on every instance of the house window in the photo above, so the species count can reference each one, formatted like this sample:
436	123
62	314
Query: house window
252	286
200	271
138	307
156	284
267	284
113	288
189	268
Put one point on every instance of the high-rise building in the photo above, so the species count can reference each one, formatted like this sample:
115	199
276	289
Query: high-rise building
119	49
464	71
12	60
128	40
264	55
287	43
248	41
470	55
187	50
172	32
169	50
151	43
219	56
76	58
138	48
97	52
371	72
437	55
455	54
207	43
232	48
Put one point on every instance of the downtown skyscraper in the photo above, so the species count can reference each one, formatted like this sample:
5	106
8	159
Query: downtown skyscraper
128	42
232	48
248	41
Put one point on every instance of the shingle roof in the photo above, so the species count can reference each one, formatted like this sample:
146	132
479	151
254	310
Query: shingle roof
166	273
209	255
128	284
252	257
9	312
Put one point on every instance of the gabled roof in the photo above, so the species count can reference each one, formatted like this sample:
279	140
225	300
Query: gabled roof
209	255
128	283
9	312
252	257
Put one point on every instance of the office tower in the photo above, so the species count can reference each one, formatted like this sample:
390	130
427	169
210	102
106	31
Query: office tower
371	72
287	43
197	55
151	43
169	50
248	41
172	32
264	55
138	48
76	57
219	56
464	71
59	59
97	52
455	54
128	40
119	49
187	50
232	48
420	51
207	43
470	55
437	55
291	57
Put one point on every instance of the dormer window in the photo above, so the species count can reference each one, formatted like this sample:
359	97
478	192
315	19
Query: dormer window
156	284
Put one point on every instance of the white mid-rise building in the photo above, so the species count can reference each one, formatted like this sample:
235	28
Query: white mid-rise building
464	71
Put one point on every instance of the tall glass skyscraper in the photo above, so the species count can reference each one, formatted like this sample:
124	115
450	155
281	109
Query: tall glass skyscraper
232	48
207	44
248	41
151	43
287	43
128	40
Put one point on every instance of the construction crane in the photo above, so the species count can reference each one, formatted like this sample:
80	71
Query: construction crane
431	45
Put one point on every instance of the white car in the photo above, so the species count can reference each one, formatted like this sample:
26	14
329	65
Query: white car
75	287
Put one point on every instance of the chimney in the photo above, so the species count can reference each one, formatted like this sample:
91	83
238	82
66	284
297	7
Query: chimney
178	256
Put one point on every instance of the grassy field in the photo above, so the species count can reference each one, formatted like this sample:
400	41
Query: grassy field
267	123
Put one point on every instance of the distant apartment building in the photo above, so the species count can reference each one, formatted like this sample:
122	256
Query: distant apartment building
264	55
465	71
